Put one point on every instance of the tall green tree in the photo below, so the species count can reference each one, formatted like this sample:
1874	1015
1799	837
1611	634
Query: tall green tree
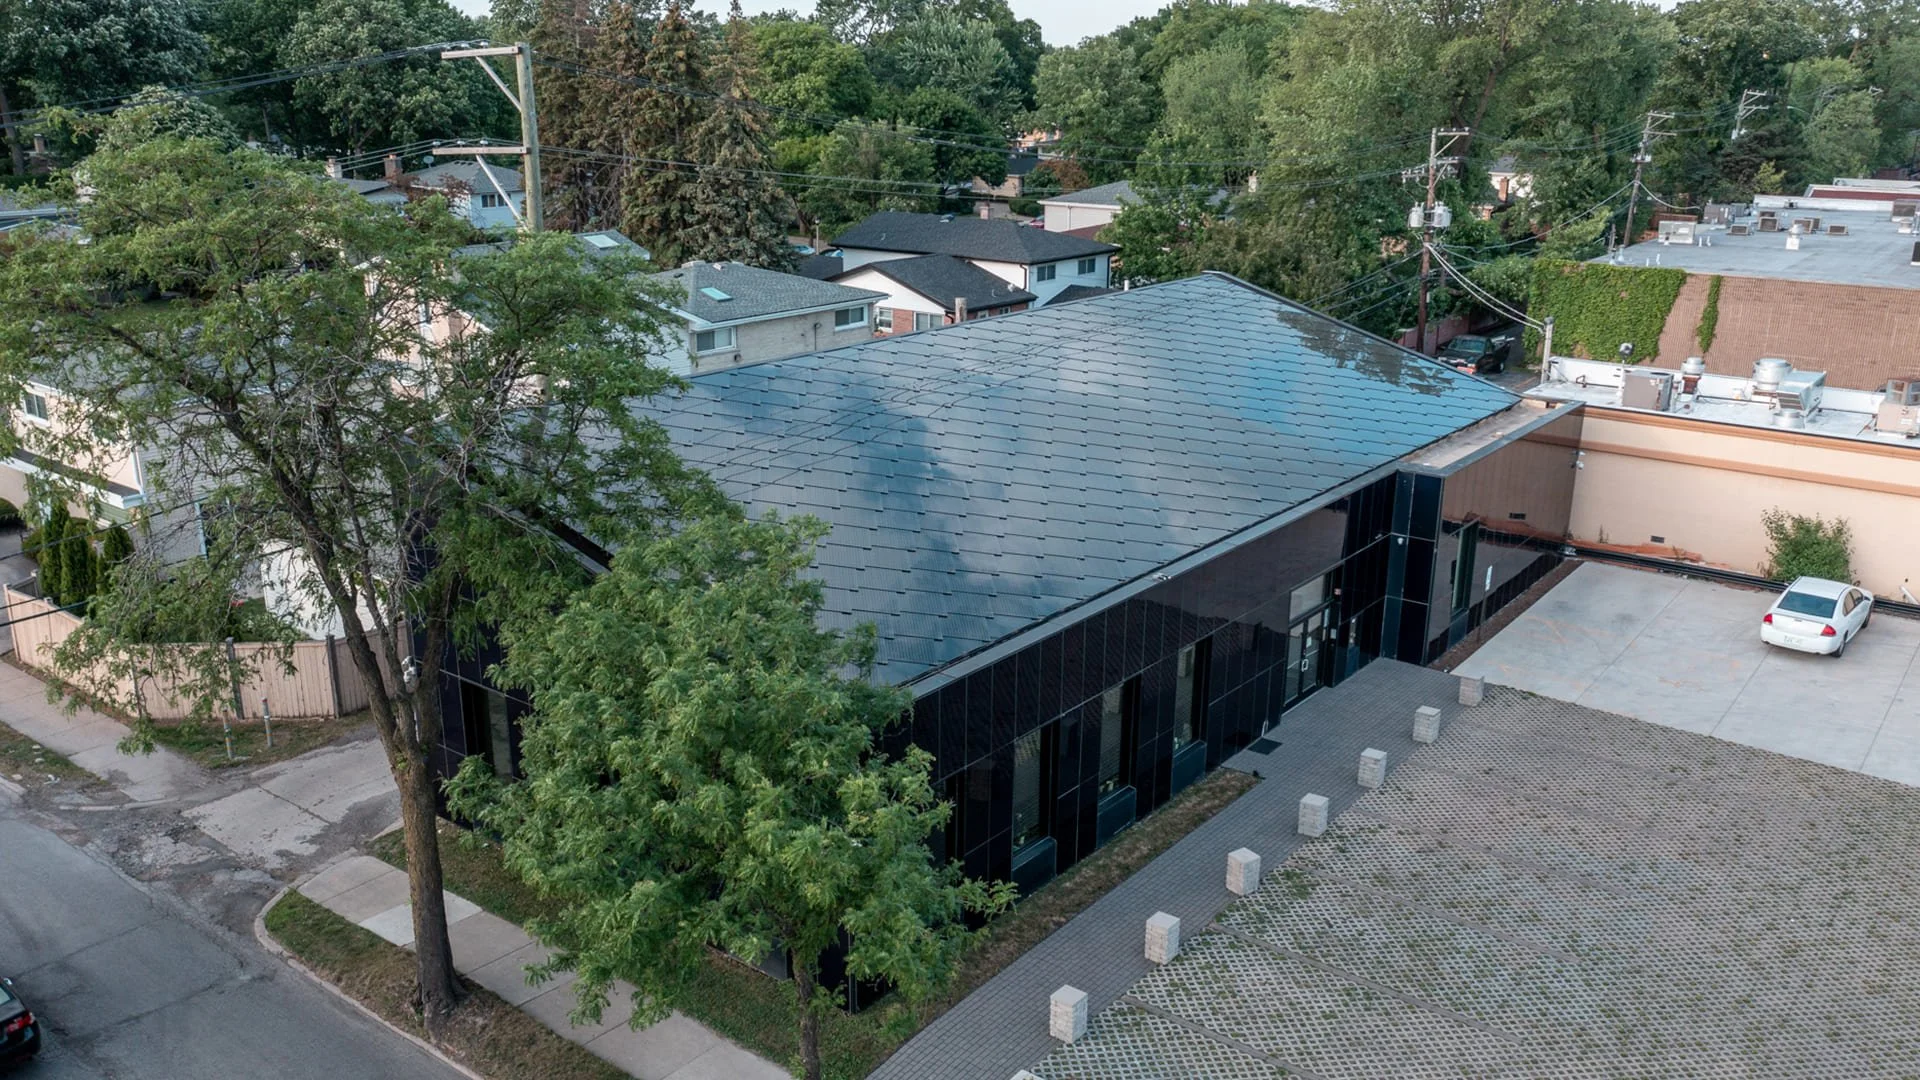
945	52
1098	97
70	51
1842	138
414	481
804	70
703	772
657	196
740	212
400	101
964	142
859	169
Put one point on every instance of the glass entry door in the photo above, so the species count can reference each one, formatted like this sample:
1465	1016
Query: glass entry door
1307	654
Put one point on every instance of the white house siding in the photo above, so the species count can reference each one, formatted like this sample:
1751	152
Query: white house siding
1065	275
904	302
852	258
1063	216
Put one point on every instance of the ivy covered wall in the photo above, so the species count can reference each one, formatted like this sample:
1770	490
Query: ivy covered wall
1596	306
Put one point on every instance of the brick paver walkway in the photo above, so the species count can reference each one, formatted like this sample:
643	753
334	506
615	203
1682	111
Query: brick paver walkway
495	953
1555	893
1002	1027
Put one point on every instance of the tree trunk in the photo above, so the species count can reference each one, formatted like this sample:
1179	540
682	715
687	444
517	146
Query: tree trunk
439	988
11	135
809	1023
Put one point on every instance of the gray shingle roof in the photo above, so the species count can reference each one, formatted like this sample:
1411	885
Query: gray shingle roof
995	473
820	267
1078	292
756	293
1104	195
468	175
1001	240
944	279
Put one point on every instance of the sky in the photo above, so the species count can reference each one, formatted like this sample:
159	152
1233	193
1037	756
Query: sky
1062	22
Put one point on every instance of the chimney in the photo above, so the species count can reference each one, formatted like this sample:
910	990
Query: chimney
333	168
959	309
393	167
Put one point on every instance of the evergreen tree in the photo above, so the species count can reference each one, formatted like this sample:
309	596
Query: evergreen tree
50	541
739	213
611	105
562	32
657	197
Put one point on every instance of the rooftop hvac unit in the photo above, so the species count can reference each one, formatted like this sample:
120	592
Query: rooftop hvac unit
1836	230
1905	209
1806	224
1801	390
1768	371
1899	412
1741	229
1647	390
1769	223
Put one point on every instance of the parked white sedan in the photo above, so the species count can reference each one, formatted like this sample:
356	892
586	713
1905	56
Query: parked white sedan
1817	616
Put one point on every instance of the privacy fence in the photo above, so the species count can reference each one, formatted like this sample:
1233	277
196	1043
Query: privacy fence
317	679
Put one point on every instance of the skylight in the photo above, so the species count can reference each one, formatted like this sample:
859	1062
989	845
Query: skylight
712	293
601	240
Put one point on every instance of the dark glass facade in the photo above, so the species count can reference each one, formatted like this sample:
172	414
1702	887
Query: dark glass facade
1097	724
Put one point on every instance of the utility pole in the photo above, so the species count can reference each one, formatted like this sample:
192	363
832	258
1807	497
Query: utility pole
533	218
1751	101
1436	149
1649	131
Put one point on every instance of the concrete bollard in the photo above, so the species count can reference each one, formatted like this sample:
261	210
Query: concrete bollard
1472	690
1243	870
1067	1014
1426	724
1313	815
1163	937
1373	768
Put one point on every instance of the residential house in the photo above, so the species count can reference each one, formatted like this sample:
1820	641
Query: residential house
1020	165
933	290
822	266
487	195
1107	545
1085	212
737	314
109	486
1034	260
1510	179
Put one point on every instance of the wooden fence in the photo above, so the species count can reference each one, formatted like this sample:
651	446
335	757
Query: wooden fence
321	681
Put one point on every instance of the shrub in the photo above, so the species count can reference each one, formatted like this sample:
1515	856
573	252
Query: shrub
116	545
1596	306
1800	546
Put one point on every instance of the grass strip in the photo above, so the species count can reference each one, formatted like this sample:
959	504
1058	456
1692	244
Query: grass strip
485	1034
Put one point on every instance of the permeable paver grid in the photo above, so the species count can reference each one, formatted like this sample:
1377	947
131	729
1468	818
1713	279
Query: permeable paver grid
1554	892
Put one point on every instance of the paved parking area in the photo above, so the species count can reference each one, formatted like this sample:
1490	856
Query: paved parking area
1553	893
1687	654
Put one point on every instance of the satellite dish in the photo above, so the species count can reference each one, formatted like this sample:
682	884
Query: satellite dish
1626	349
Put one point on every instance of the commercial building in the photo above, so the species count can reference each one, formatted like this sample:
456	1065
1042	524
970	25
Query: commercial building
1108	544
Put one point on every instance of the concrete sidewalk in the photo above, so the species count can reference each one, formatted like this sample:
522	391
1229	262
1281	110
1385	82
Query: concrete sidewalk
495	953
90	740
284	814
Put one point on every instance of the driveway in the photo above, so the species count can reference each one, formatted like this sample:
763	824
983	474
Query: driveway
1687	654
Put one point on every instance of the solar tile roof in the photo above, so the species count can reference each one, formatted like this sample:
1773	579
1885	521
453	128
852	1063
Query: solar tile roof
981	477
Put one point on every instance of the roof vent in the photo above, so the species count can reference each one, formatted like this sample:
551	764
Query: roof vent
1791	419
712	293
946	217
1767	373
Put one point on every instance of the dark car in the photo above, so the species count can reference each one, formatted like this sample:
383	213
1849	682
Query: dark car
19	1032
1478	354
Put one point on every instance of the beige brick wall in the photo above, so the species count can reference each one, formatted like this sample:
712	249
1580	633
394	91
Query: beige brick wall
1859	335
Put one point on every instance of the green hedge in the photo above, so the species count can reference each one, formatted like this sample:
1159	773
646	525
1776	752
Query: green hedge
1709	316
1596	306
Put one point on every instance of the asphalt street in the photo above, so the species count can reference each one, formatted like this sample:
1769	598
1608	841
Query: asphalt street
131	984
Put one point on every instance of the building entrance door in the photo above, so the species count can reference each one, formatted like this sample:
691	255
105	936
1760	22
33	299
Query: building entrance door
1308	653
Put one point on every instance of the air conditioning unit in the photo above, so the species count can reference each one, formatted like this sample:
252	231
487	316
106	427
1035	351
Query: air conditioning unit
1741	229
1647	390
1801	390
1836	230
1899	412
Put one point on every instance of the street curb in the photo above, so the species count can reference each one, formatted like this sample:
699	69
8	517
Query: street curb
274	947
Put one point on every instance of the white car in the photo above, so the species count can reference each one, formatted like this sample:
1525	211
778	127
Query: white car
1817	616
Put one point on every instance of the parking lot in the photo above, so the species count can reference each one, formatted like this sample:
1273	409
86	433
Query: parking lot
1687	654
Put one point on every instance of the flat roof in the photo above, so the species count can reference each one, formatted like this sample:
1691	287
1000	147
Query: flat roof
1843	413
984	477
1874	252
